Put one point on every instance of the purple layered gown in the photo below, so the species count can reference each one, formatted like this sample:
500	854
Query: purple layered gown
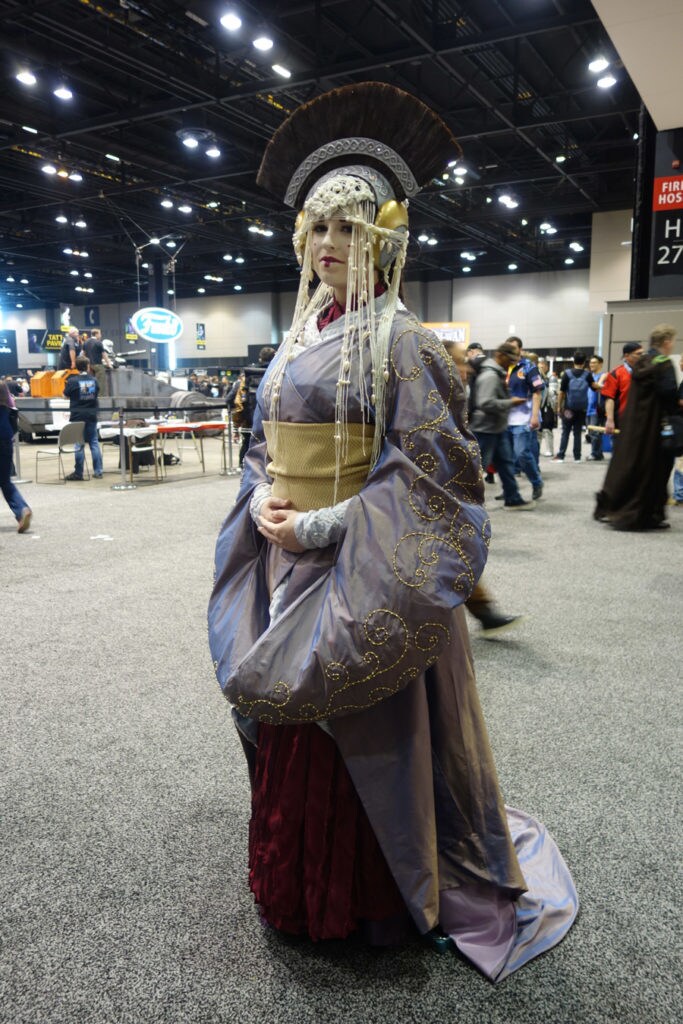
372	643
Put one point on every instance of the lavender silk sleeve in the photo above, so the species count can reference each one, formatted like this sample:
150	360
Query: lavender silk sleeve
413	546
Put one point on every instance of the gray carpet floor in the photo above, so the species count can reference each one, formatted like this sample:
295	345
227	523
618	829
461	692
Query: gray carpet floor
124	797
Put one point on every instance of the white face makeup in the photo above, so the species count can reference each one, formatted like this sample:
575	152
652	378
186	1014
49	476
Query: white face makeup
330	245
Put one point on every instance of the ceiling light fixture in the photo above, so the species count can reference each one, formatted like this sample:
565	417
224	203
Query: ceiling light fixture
62	173
23	280
606	82
10	280
263	43
80	223
74	273
27	128
87	273
284	72
213	205
68	251
213	151
155	240
508	200
63	92
227	257
26	77
75	176
113	157
231	21
467	270
524	222
569	261
432	241
239	259
48	169
423	238
512	266
167	204
190	141
61	219
20	305
560	158
201	291
598	64
170	244
576	246
185	208
237	287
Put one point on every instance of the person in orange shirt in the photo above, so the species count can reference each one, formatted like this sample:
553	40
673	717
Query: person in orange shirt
617	383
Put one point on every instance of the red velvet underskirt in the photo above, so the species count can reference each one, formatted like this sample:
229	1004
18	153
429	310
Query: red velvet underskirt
315	866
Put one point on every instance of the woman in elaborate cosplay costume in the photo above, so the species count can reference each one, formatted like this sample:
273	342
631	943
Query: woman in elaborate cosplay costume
336	622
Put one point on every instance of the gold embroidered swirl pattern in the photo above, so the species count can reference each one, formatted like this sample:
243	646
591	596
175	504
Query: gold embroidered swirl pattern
339	680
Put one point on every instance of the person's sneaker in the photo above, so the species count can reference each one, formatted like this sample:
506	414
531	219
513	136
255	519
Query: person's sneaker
72	476
558	458
577	460
521	506
493	621
537	492
489	478
24	520
499	497
98	476
595	458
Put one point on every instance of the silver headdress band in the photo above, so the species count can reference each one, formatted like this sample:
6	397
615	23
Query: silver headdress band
353	147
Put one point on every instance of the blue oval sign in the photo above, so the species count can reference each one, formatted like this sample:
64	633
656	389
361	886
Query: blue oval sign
154	323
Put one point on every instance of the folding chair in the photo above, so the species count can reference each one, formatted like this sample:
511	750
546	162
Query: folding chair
70	435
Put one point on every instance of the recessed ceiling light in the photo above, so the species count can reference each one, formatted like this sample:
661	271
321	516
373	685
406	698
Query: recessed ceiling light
185	208
167	204
551	231
432	241
237	287
576	246
569	261
27	128
512	266
68	251
74	273
62	173
48	169
145	266
75	176
10	280
213	151
560	158
170	244
63	92
239	259
606	82
24	280
190	141
423	237
231	21
213	204
26	77
227	257
80	223
263	43
284	72
87	273
61	219
20	305
170	291
201	291
155	240
636	136
84	255
112	156
467	270
524	222
597	65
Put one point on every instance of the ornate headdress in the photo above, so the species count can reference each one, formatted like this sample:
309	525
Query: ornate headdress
357	153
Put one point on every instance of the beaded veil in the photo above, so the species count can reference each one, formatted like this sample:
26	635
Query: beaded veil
356	153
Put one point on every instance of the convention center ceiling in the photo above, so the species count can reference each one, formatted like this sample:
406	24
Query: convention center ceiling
139	127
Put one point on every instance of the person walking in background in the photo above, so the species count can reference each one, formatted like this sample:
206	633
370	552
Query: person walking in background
548	408
491	403
8	428
595	410
82	393
99	360
69	350
634	492
615	386
573	402
524	381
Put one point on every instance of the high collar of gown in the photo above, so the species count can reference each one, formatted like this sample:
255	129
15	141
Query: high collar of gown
336	310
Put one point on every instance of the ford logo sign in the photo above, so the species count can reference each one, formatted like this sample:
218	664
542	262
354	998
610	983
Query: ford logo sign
153	323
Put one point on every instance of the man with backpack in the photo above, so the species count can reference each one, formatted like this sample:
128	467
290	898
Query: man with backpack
573	402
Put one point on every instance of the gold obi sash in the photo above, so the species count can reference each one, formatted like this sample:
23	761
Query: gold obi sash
303	462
